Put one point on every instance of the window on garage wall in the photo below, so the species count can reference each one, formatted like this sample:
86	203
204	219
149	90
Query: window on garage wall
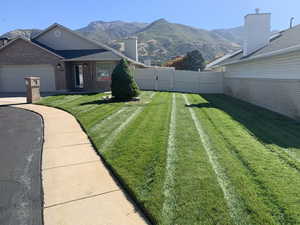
103	71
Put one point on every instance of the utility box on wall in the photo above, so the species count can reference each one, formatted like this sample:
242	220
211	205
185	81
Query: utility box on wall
32	89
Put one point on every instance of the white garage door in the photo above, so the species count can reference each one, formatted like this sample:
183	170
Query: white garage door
12	77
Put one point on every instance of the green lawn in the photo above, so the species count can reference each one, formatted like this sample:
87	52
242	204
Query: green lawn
192	159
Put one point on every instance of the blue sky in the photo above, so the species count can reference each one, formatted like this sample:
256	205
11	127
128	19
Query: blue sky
207	14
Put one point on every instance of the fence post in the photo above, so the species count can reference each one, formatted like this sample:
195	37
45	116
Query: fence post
199	82
221	83
155	80
173	80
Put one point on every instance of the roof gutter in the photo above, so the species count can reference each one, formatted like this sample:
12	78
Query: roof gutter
265	55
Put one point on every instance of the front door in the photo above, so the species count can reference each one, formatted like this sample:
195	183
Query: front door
78	73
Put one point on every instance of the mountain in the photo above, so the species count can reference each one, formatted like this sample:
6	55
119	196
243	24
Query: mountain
109	31
159	40
162	40
232	34
25	33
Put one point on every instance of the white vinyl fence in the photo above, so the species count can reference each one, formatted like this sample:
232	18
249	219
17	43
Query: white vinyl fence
169	79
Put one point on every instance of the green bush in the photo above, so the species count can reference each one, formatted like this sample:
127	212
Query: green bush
123	86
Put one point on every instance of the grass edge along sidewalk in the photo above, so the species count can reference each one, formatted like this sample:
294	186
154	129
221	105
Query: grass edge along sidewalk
107	114
138	155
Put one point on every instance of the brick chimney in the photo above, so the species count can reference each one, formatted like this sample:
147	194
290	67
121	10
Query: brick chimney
131	49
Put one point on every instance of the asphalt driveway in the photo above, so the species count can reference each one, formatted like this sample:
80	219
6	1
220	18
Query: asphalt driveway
21	137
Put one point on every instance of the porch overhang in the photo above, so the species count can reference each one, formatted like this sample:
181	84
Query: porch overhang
99	56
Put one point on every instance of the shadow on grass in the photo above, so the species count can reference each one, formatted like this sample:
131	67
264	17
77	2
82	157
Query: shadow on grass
78	93
109	101
267	126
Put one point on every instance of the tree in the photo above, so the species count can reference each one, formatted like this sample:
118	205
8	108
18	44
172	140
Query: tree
192	61
176	62
123	86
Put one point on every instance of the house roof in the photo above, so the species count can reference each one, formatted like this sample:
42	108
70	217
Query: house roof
221	59
72	54
282	42
32	43
102	47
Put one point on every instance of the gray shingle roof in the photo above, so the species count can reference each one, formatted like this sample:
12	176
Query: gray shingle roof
284	39
70	54
102	47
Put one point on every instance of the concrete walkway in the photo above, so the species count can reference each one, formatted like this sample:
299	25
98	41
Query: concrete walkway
78	189
11	100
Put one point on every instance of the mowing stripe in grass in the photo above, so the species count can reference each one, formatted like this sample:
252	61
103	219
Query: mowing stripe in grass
237	211
269	197
275	180
99	114
95	106
169	195
113	135
199	198
138	154
87	109
65	100
262	126
106	125
152	95
104	110
108	119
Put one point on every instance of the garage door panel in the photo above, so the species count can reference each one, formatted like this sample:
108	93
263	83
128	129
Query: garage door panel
12	77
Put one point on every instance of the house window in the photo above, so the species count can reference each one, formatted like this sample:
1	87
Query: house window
103	72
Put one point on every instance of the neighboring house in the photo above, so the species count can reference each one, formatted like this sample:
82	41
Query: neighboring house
266	72
63	59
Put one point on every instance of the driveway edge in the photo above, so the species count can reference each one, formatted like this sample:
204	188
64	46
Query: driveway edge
41	157
141	213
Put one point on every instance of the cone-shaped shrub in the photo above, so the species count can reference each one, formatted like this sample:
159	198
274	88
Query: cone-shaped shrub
123	86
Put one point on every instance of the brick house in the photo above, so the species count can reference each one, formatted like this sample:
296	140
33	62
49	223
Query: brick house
63	59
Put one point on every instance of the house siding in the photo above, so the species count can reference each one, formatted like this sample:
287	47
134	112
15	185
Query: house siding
273	83
22	52
285	66
66	40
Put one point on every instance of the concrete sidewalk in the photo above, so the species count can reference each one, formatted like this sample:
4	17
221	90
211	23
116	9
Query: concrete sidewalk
12	100
78	189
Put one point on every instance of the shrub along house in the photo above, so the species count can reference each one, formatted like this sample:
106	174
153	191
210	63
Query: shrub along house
63	59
